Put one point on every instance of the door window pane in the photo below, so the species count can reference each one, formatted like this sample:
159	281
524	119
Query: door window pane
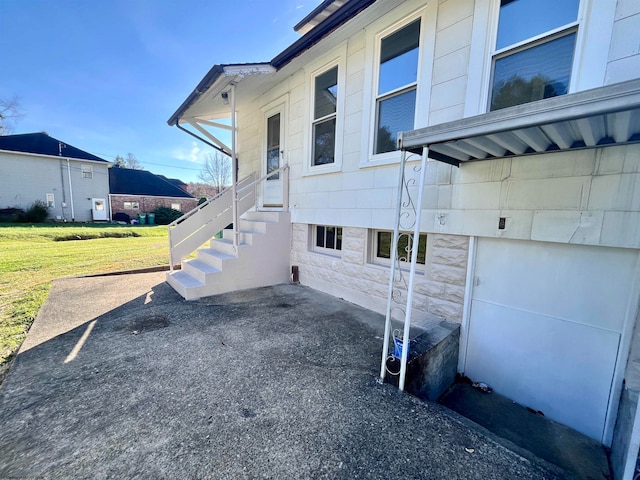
273	145
522	19
395	114
539	72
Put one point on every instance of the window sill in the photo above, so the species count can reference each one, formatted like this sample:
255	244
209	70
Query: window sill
322	169
420	269
337	255
390	158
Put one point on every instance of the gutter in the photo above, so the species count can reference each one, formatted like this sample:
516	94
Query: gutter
337	19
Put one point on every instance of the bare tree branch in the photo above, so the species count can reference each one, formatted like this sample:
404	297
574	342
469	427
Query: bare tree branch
216	170
10	113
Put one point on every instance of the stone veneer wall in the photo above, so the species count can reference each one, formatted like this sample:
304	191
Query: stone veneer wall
439	292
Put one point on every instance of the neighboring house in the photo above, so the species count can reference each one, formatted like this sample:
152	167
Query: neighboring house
138	191
72	182
521	124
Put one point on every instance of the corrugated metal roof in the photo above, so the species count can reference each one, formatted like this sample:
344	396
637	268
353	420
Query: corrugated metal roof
599	117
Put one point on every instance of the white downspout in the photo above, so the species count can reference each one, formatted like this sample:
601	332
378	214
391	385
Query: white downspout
73	215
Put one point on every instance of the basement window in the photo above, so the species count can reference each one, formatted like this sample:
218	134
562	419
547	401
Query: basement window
326	239
131	206
381	242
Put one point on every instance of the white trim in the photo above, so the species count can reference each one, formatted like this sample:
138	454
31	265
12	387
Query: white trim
338	58
277	106
623	355
428	18
312	236
484	30
374	260
57	157
466	308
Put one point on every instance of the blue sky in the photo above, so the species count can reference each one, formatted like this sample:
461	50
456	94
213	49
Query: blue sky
105	75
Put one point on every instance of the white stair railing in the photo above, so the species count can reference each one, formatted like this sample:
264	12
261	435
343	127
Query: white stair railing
196	227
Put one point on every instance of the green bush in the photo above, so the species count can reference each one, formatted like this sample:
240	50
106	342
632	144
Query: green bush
202	200
36	213
166	215
10	214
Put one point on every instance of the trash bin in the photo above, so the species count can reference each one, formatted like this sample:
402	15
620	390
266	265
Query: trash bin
142	218
151	218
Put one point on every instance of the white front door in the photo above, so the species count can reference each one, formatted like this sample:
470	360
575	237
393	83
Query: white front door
99	209
273	152
546	323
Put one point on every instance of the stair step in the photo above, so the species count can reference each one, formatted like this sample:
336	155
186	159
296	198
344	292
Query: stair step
269	217
225	245
214	257
252	226
186	280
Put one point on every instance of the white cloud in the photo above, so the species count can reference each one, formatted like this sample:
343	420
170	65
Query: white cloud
195	153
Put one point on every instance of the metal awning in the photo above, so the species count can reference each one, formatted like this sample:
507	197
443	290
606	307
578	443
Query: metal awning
599	117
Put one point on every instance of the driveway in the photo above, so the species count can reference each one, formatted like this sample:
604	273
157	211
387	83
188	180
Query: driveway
121	378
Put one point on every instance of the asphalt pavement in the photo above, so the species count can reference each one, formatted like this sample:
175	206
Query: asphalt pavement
119	377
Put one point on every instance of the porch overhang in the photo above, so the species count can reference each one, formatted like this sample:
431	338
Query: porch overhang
603	116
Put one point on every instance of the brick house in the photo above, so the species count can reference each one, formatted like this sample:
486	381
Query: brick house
138	191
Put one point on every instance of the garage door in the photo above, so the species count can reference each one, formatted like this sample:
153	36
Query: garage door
545	325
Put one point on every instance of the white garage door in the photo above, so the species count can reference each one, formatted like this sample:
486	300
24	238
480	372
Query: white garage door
545	325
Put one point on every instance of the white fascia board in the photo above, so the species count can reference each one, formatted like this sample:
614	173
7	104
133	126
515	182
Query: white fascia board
245	70
57	157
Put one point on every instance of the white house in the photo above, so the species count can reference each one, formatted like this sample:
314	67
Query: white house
516	178
73	183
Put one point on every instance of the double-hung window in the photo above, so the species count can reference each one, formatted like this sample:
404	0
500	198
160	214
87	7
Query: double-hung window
397	86
534	51
325	107
87	171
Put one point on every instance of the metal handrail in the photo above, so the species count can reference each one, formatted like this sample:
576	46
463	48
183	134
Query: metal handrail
264	177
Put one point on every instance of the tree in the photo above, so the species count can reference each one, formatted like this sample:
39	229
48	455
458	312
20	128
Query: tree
10	112
130	162
216	170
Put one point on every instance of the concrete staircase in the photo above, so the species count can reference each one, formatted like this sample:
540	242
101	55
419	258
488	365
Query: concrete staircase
262	258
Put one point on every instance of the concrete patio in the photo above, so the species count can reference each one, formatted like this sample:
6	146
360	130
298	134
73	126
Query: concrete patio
121	378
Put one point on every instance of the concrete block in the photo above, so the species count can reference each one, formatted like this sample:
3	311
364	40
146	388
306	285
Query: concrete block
433	361
430	288
476	196
349	256
448	256
451	241
567	193
621	229
615	192
567	226
447	274
567	164
454	294
448	310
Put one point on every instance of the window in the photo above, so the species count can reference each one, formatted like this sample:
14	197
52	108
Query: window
50	200
326	239
397	85
176	206
87	171
324	117
535	46
131	206
382	241
273	146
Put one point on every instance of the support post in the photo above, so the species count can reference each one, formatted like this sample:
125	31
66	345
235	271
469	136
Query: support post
234	169
412	271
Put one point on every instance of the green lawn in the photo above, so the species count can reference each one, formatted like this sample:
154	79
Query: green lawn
31	256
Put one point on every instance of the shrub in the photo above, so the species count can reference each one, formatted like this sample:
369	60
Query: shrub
202	200
166	215
10	214
36	213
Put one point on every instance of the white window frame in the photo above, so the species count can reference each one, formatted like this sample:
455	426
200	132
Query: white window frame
86	171
313	247
386	262
336	58
132	205
51	202
590	60
401	17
